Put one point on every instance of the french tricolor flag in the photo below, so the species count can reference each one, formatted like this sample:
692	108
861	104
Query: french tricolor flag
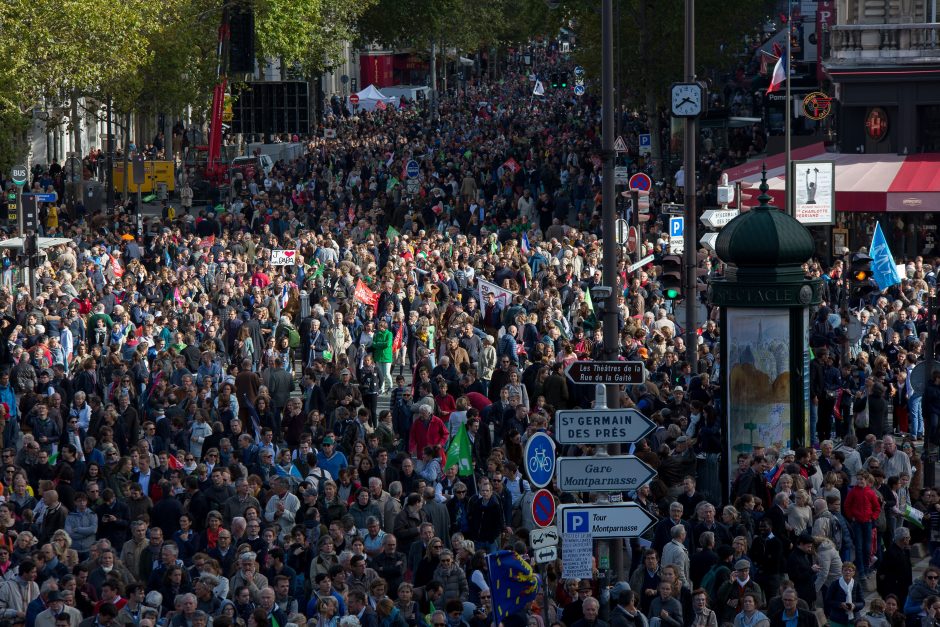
781	70
525	244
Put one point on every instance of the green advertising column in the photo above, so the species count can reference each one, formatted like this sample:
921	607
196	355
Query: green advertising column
764	299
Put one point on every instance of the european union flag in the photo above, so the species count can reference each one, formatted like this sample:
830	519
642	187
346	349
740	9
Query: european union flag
883	269
513	583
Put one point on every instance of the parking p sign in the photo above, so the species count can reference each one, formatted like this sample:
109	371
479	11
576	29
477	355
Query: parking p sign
676	234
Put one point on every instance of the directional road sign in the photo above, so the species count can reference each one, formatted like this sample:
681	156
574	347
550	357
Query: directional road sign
606	372
717	218
641	182
642	262
621	175
673	209
543	508
546	536
545	556
412	169
578	70
540	459
579	90
709	240
614	473
19	174
593	426
618	520
44	197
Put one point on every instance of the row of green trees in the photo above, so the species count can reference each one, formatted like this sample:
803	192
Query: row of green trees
153	57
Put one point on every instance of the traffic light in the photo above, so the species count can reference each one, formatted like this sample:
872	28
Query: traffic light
670	280
555	80
861	283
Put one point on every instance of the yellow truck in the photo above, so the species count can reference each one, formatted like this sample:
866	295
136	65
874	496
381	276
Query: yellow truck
155	172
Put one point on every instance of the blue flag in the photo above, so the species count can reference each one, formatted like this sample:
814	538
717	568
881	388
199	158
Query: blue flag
513	583
883	268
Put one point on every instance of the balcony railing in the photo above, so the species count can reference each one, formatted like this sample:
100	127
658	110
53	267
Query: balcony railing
881	42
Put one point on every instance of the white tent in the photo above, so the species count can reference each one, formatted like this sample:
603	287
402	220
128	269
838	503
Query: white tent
370	97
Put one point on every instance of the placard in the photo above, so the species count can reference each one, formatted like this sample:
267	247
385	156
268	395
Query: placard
814	192
283	257
577	556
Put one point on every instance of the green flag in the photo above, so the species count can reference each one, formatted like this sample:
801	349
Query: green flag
392	232
459	452
318	272
589	300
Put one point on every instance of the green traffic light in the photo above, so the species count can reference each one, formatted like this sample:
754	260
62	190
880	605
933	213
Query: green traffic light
564	84
11	196
672	294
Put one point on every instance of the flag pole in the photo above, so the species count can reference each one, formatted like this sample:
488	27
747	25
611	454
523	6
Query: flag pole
788	114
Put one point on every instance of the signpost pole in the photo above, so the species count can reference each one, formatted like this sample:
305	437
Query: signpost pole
635	199
608	217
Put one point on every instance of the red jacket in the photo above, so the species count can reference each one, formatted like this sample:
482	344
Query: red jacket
862	505
432	433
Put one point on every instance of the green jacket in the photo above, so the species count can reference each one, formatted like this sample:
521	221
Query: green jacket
382	347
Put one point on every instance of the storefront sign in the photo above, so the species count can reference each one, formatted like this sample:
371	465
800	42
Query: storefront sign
876	124
817	105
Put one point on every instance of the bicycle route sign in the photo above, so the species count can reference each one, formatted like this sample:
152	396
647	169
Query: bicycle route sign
540	459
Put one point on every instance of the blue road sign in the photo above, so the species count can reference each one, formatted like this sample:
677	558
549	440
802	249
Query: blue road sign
412	169
579	90
45	197
540	459
576	521
676	226
578	70
645	140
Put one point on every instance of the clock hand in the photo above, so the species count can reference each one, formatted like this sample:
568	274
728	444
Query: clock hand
685	100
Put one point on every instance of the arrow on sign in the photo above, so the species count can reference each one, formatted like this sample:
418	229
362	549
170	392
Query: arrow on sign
593	426
709	240
611	473
546	555
717	218
607	372
620	520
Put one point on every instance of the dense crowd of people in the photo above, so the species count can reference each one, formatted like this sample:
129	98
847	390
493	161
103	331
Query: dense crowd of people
195	436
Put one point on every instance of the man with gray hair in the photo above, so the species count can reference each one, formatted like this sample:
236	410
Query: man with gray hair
897	575
676	554
392	507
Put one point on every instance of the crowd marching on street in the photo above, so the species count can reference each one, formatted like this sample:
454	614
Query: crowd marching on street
194	436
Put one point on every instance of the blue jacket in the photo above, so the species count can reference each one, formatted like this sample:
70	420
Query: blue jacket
835	597
82	527
8	396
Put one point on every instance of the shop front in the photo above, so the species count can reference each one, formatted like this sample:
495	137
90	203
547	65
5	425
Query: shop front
902	192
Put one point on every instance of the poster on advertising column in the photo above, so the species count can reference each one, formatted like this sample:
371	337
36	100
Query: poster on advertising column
758	388
814	192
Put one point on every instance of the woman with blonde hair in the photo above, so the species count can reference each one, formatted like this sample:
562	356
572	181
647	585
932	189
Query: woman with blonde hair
62	547
800	513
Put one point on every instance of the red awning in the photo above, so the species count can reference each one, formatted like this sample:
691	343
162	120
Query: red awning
864	182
